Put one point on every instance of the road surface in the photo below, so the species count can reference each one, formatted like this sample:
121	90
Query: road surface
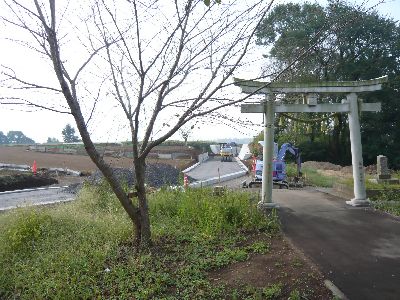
213	167
13	199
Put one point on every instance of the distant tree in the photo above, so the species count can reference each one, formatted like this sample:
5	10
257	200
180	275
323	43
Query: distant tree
68	134
3	138
17	137
185	133
254	146
52	140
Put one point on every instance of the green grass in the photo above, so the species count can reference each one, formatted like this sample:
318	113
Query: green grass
371	185
388	197
84	249
389	207
311	176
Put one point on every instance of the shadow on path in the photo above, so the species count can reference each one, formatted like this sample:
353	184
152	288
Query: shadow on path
358	249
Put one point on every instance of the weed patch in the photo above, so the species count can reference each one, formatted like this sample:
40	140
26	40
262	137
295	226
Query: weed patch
85	249
391	207
273	291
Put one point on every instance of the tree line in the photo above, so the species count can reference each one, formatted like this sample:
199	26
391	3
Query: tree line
14	137
18	137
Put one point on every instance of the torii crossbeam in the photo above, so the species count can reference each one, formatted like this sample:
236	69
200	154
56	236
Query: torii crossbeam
351	106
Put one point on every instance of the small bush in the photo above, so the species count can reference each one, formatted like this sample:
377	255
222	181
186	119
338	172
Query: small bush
27	229
99	197
387	194
273	291
260	247
294	295
198	210
389	207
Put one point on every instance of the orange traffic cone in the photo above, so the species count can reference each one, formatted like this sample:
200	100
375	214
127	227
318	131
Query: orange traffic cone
34	167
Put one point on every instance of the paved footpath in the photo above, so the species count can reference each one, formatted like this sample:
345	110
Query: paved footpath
358	249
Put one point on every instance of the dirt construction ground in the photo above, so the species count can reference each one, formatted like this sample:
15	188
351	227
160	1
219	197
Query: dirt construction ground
19	155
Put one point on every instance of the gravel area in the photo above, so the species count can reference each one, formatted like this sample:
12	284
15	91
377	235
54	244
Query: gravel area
157	175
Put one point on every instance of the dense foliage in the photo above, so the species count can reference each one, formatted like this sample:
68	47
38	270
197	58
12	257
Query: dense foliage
342	42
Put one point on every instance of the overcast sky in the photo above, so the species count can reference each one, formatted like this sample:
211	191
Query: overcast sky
39	125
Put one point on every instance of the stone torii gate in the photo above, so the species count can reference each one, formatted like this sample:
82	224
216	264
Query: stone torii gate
350	105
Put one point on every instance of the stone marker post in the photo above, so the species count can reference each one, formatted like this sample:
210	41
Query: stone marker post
382	172
382	169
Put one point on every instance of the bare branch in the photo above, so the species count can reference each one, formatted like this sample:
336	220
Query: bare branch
28	103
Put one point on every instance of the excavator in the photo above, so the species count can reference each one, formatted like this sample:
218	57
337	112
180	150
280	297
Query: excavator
278	166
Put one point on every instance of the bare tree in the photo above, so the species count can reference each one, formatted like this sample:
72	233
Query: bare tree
165	63
185	133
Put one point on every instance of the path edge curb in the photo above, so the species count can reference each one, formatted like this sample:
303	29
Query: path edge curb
335	290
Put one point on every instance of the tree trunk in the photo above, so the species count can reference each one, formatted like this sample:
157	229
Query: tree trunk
132	211
140	174
69	91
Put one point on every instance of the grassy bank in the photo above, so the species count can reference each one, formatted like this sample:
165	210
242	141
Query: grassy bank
83	250
386	197
311	176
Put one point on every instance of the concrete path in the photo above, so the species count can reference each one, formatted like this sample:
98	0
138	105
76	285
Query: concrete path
40	196
209	168
358	249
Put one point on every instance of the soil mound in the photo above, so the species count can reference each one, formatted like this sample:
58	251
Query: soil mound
322	165
24	181
336	170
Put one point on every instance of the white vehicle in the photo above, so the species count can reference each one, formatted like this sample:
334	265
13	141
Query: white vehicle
226	153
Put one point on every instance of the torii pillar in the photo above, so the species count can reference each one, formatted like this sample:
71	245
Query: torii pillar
351	106
267	182
360	194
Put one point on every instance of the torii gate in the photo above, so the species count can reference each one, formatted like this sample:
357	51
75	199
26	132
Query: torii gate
350	105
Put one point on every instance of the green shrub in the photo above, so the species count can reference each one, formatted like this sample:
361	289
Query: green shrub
26	230
273	291
226	257
387	194
198	210
99	197
294	295
260	247
389	207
